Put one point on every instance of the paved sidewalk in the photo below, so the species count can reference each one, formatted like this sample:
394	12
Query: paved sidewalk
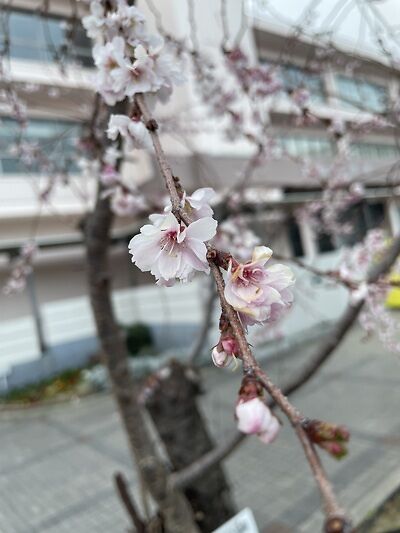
56	463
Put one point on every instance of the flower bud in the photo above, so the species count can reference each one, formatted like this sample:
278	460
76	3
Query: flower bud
230	345
331	437
220	358
254	417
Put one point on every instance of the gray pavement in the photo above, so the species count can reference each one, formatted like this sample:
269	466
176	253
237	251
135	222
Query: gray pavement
57	463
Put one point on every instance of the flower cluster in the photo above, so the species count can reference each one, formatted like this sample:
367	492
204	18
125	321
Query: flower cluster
259	293
129	60
172	250
133	131
359	259
253	415
21	268
236	237
260	81
376	319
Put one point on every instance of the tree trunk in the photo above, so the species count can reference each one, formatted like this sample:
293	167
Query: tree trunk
175	511
172	405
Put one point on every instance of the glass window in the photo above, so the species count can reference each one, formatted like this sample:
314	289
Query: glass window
294	235
374	150
294	77
44	38
360	94
299	145
55	139
362	217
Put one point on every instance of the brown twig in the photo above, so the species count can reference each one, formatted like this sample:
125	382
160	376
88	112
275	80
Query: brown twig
332	509
127	500
333	275
207	320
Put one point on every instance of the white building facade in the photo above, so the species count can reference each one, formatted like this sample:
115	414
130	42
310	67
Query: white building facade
38	41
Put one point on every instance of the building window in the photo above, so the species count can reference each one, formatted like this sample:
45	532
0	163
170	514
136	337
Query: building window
294	77
56	141
38	37
361	95
374	150
362	217
302	146
294	235
324	242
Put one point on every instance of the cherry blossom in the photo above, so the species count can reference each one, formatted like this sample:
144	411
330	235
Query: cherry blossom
236	237
259	294
109	176
133	131
197	204
129	60
21	268
170	250
126	203
200	200
111	155
254	417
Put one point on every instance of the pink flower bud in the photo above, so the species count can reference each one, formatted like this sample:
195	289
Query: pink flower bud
230	345
270	434
220	358
254	417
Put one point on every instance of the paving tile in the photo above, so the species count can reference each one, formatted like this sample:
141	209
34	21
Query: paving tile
57	463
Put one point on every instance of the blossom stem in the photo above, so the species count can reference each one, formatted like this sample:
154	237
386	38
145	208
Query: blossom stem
165	168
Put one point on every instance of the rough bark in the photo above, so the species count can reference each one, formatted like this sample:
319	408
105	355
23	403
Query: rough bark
173	408
173	506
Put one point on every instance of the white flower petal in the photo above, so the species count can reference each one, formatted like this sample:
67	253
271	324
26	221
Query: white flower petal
203	229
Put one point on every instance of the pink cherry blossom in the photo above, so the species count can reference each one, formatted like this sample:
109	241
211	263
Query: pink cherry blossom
126	203
21	268
170	250
134	131
111	155
129	60
200	200
109	176
259	294
199	203
254	417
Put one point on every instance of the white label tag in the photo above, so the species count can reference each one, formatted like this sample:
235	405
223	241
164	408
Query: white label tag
243	522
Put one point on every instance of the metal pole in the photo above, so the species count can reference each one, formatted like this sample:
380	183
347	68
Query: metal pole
37	317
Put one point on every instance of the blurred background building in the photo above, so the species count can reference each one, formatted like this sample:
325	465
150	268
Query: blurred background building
50	65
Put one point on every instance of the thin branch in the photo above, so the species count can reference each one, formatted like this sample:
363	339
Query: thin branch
188	475
225	26
126	498
207	321
333	275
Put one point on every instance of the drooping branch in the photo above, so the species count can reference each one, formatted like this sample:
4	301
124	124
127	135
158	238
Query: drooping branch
332	509
302	376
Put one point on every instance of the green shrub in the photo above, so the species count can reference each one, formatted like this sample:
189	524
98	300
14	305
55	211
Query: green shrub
138	337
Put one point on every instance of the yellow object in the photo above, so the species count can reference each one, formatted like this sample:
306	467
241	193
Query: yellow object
393	298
